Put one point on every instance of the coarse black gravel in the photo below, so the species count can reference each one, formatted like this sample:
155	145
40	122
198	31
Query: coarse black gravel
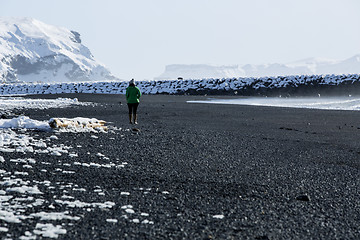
273	173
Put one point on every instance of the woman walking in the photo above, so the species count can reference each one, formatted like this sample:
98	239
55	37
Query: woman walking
133	95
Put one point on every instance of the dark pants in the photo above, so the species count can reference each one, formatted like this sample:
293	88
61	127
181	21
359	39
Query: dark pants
133	107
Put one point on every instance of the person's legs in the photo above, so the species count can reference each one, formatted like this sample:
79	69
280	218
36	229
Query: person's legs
135	106
130	107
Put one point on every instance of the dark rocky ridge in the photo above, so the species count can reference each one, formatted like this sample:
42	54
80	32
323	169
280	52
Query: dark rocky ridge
286	86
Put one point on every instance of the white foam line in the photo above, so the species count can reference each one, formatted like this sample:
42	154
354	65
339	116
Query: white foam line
314	103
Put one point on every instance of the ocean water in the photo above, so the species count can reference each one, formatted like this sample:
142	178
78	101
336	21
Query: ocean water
329	103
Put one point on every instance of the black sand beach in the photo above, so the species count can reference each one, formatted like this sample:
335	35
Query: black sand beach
204	171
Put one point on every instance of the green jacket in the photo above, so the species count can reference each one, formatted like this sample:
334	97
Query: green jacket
133	94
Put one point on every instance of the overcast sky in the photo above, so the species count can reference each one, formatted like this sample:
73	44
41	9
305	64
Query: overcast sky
138	38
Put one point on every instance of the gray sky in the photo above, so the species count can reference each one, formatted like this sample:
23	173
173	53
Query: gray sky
138	38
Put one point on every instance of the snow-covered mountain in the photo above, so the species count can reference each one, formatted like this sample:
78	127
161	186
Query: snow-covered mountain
32	51
311	66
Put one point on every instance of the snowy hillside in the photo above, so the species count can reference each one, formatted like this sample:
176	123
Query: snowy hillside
311	66
32	51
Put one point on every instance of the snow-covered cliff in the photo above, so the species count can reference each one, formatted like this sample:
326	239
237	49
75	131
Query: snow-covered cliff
311	66
32	51
199	71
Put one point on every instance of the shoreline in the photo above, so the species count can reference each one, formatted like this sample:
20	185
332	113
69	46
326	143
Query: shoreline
210	171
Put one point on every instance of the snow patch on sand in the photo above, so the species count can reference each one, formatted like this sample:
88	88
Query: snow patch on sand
10	103
24	122
49	230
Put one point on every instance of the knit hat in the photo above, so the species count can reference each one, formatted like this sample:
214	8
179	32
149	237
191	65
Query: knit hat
132	82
